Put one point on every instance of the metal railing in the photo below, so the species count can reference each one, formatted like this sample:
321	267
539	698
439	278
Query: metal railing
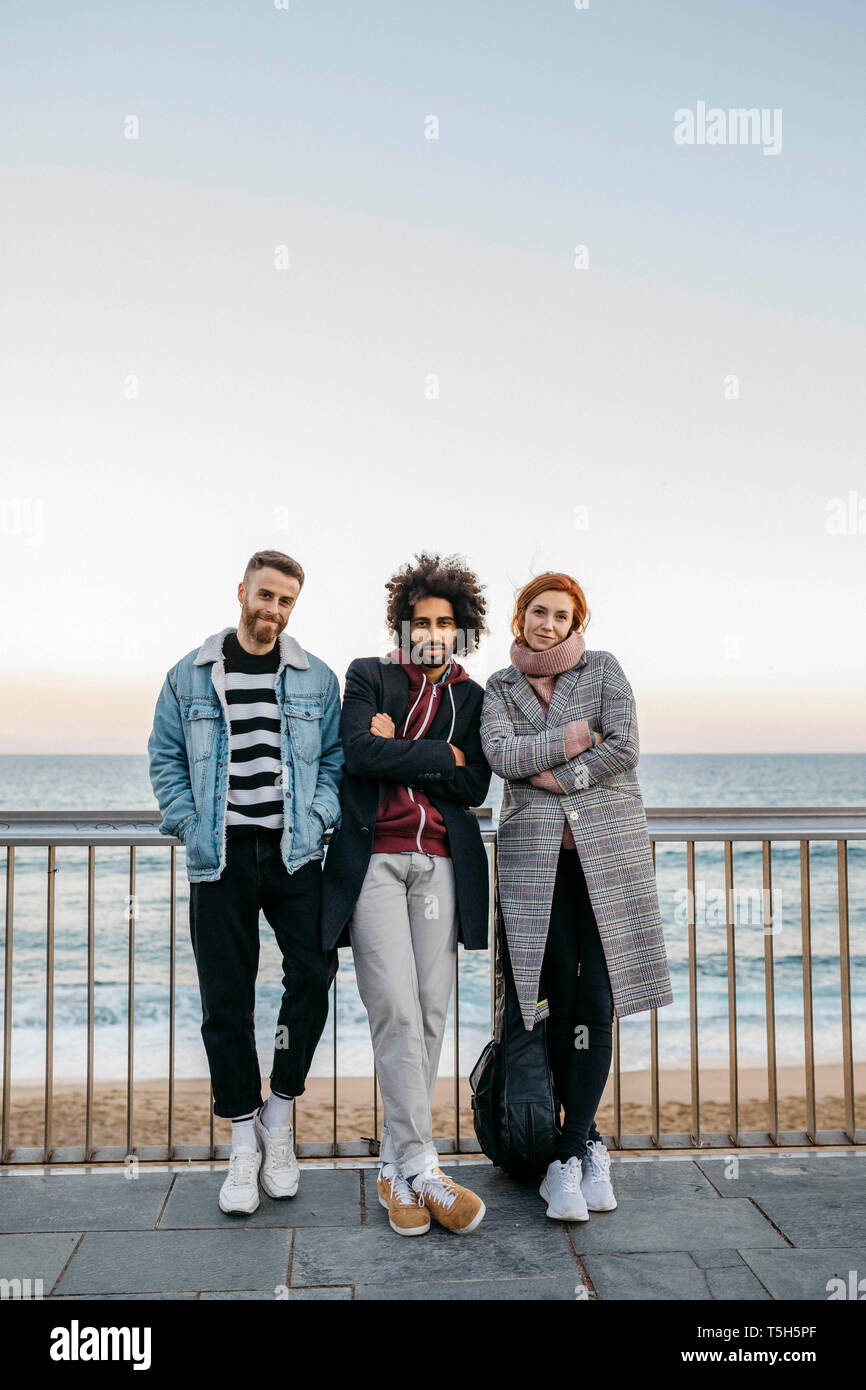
728	826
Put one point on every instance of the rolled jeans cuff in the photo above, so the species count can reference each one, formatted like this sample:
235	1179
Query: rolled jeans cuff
416	1163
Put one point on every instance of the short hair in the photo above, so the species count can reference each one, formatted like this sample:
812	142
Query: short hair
275	560
435	576
538	585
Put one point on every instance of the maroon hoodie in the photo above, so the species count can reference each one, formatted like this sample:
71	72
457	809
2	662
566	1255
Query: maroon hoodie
406	819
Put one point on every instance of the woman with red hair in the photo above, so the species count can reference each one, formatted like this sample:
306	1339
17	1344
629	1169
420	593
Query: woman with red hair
576	880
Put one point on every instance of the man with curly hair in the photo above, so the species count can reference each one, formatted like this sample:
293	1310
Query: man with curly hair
406	873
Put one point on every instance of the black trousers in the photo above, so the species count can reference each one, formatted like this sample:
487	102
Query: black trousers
224	926
576	983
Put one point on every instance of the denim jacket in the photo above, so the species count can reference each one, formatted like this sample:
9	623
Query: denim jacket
189	755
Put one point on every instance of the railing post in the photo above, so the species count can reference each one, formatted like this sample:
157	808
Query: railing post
491	870
730	941
91	972
693	994
808	1023
655	1123
334	1148
130	1007
7	1002
49	1008
457	1051
845	985
172	986
617	1090
375	1105
772	1091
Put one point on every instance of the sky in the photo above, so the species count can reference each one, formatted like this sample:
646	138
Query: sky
309	278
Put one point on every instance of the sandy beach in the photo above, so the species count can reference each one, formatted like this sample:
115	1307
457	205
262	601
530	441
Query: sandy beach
355	1107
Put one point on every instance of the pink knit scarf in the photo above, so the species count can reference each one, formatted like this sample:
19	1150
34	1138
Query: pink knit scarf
551	662
541	670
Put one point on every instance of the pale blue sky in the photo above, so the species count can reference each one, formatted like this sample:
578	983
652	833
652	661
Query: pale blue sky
288	407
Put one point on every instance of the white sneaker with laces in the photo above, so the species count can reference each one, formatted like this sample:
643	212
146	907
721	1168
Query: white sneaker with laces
280	1173
239	1194
561	1191
595	1184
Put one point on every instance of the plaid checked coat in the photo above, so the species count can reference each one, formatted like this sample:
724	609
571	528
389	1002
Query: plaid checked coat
602	798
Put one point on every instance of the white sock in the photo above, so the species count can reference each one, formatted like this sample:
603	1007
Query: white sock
243	1133
387	1170
276	1112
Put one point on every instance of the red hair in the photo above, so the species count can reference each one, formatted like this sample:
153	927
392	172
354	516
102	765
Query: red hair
538	585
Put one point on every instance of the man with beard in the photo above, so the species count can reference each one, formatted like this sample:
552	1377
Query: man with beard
245	762
406	873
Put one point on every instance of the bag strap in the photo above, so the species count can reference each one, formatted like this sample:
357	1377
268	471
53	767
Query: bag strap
501	940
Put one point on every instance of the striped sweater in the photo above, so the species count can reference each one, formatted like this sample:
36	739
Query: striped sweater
255	799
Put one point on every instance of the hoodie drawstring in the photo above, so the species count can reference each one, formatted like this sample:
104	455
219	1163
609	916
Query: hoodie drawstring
412	710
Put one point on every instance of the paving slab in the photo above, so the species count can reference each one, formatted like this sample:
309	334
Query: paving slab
82	1201
36	1257
156	1261
324	1198
716	1259
805	1274
377	1255
672	1275
655	1178
666	1224
124	1297
562	1288
817	1218
332	1294
786	1174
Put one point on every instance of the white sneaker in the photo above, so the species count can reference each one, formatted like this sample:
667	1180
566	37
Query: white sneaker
280	1173
239	1193
561	1191
595	1183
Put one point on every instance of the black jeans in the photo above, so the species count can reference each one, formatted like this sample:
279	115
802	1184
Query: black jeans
224	926
576	984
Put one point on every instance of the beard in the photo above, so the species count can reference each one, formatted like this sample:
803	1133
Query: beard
429	655
257	628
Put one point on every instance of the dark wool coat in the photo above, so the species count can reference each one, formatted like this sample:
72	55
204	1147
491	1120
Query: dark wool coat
374	686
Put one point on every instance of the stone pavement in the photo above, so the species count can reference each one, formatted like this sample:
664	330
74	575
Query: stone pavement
764	1226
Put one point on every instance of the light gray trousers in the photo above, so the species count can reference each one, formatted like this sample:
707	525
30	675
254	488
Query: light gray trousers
403	933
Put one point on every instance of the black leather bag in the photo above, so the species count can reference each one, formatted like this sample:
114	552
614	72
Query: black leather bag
513	1107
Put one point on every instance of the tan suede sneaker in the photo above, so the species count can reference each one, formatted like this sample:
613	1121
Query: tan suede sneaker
406	1212
454	1207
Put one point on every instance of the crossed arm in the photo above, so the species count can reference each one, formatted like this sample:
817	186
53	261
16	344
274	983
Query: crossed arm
372	750
389	759
545	758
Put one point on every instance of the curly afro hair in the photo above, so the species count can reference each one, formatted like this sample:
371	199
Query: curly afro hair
435	576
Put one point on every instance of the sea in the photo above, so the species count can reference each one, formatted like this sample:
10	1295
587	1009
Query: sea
120	782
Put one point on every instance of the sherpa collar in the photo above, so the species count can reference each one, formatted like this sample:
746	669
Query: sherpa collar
291	651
